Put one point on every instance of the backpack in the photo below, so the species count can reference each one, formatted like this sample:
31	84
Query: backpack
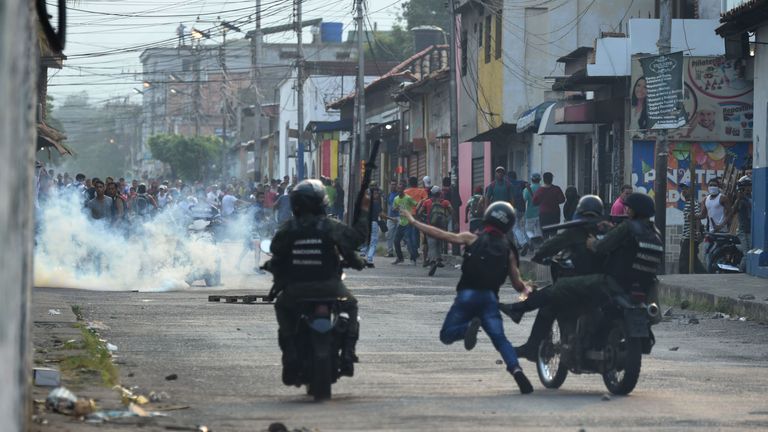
474	207
142	205
439	215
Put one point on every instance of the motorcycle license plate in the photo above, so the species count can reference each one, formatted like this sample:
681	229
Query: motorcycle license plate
637	322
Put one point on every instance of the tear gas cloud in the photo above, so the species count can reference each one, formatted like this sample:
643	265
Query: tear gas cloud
158	254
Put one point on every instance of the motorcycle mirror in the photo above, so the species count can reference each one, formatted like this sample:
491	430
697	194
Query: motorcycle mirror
265	246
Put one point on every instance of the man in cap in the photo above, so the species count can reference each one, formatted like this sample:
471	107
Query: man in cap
500	189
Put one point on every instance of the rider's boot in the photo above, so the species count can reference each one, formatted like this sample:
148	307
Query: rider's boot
348	356
291	365
535	300
541	326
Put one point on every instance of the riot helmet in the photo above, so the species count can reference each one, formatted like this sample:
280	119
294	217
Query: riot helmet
308	198
500	215
641	204
589	206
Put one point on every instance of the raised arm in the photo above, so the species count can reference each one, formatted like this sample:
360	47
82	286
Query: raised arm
464	238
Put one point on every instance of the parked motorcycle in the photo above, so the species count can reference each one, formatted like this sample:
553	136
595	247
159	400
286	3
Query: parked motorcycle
608	340
204	227
322	328
724	253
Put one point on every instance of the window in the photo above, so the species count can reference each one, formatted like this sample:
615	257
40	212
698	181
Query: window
463	53
488	39
497	36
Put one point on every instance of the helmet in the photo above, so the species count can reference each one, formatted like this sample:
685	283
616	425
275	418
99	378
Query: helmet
744	182
308	197
589	206
500	215
641	204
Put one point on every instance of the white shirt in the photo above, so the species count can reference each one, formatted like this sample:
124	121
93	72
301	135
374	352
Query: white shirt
211	197
228	204
715	211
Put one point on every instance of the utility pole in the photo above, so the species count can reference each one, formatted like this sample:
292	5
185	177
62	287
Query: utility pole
662	144
361	81
196	92
452	100
225	102
255	75
299	95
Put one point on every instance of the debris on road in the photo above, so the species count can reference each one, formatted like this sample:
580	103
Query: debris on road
198	428
111	347
693	321
606	397
172	377
743	319
668	312
47	377
498	362
674	348
158	396
685	304
720	315
63	401
96	325
248	299
746	297
133	410
128	397
54	312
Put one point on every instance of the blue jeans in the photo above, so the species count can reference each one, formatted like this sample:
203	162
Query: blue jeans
481	304
374	241
404	232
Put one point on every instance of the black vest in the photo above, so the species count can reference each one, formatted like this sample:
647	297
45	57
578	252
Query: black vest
313	255
639	259
486	263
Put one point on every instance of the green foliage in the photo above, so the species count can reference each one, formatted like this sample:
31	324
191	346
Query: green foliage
394	45
188	157
425	12
95	358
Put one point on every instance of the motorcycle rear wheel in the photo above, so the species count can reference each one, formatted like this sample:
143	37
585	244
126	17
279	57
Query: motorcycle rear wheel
552	372
730	255
320	388
622	378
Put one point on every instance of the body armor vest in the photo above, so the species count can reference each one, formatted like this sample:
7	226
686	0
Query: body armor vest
313	256
640	259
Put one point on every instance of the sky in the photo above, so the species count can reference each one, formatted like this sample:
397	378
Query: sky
106	37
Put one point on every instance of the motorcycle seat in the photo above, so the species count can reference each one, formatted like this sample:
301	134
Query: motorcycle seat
722	236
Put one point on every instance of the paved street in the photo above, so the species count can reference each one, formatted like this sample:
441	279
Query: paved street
227	360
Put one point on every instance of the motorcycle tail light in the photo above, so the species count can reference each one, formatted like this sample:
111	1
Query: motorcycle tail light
638	296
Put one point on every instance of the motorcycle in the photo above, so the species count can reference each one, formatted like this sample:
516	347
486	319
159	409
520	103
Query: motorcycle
608	340
724	252
318	341
204	226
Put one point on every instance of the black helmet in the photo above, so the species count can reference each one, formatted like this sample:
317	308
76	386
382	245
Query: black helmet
641	204
500	215
589	206
744	182
308	197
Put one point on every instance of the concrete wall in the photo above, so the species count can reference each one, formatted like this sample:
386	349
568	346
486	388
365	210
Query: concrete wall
18	63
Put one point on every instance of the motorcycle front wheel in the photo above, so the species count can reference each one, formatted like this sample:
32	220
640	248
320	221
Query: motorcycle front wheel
622	377
552	372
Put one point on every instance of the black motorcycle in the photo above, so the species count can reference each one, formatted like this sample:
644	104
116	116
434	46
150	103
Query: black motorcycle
318	342
608	340
724	252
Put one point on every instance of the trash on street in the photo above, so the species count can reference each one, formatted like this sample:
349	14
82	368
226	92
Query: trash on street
47	377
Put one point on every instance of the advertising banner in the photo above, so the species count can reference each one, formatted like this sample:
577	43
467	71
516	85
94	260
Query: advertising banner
710	158
717	102
663	81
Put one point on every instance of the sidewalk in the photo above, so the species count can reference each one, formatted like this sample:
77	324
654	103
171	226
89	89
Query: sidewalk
733	294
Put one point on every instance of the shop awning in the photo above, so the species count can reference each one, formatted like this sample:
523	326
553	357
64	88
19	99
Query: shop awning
530	120
330	126
547	126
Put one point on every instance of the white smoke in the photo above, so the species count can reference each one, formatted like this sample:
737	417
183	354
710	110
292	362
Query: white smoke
72	250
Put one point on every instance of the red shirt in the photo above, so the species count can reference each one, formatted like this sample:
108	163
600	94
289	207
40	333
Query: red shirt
548	199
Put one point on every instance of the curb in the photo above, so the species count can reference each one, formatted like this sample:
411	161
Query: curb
672	294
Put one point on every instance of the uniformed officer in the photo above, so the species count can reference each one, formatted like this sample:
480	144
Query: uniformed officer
306	264
633	250
573	241
489	258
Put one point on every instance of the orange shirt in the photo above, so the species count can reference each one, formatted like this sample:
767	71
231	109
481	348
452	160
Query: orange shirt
417	193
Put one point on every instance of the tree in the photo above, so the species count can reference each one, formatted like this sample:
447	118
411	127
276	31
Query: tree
425	12
188	157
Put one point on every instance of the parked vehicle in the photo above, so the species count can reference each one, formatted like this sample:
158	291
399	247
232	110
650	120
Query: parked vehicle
724	253
609	340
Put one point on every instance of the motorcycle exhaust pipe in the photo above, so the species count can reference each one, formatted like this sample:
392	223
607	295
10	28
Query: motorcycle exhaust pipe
653	310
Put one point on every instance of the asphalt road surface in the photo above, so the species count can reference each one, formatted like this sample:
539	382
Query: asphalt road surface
227	361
